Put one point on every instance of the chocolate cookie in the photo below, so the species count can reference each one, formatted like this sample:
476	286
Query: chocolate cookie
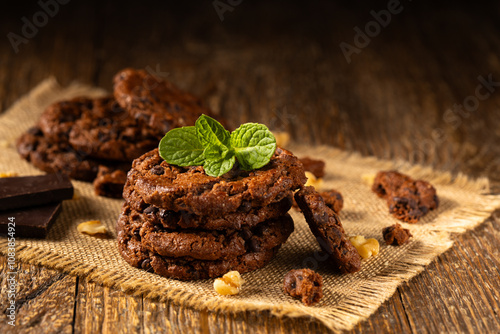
59	118
53	158
98	127
203	244
328	230
190	189
59	157
156	103
138	256
304	284
245	217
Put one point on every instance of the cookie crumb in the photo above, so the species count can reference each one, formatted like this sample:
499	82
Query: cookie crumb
305	284
366	247
229	284
4	144
92	227
395	235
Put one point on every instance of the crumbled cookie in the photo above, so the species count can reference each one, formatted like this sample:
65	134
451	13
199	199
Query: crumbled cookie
304	284
408	199
395	235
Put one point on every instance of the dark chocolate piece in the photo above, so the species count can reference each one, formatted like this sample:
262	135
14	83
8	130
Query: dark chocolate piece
28	191
32	222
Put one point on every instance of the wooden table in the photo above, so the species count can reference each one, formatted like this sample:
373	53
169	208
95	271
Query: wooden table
282	63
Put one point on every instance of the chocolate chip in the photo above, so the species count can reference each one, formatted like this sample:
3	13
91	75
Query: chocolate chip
150	209
157	170
146	264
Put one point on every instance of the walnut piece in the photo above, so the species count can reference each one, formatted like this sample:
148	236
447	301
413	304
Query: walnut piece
313	181
368	179
229	284
8	174
92	227
365	247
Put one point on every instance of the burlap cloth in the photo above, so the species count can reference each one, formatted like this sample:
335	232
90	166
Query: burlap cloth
347	299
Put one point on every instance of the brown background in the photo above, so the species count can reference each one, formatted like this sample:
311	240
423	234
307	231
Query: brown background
280	63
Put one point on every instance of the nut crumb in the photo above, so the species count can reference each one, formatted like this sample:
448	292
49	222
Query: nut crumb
368	179
365	247
313	181
229	284
92	227
9	174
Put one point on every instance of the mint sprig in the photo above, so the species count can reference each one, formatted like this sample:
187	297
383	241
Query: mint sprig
209	145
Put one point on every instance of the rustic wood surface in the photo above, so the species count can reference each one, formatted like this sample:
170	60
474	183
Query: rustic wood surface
280	63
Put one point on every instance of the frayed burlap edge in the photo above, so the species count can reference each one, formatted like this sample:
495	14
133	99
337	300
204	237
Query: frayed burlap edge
355	307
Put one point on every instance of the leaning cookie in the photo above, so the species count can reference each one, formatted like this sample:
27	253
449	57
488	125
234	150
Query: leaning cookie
328	230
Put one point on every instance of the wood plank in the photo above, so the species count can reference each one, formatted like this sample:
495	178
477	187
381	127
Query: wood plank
44	300
103	310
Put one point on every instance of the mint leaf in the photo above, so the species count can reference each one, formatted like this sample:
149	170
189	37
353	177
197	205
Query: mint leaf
209	144
181	147
211	132
220	166
254	145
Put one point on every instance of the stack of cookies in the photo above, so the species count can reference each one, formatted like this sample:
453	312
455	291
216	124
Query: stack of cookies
181	223
96	139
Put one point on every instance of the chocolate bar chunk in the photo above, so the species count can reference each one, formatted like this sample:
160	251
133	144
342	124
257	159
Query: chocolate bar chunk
28	191
29	222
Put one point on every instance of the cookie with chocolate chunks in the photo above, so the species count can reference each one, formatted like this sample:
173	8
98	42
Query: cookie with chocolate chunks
156	103
190	189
